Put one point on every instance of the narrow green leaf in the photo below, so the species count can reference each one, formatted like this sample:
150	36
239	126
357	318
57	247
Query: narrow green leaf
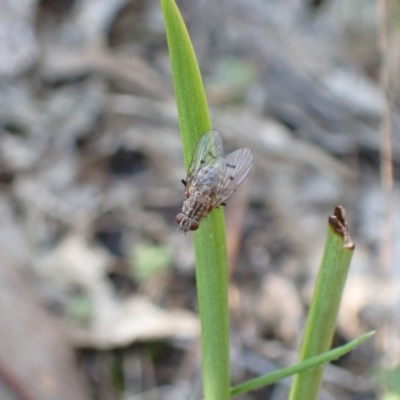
194	119
322	317
210	239
313	362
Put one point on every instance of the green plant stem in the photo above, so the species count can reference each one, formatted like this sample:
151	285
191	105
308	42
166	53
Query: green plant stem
321	321
210	239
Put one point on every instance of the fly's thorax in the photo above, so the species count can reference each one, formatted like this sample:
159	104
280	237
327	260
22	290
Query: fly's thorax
200	191
197	205
208	176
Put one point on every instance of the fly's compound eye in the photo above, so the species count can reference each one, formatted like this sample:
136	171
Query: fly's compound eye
194	225
179	218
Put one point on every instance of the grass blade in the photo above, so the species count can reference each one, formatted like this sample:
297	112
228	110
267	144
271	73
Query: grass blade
210	239
324	309
313	362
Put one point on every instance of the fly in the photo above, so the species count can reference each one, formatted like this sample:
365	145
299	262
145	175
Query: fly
211	180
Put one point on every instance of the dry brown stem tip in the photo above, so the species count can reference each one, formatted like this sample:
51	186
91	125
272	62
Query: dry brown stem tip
339	225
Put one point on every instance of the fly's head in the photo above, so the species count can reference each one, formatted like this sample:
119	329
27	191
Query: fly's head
186	223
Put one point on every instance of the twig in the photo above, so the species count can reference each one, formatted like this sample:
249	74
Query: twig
385	341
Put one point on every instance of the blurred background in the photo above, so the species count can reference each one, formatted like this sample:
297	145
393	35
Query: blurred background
97	286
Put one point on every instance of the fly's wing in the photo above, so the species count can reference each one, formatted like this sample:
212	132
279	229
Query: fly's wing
232	172
208	152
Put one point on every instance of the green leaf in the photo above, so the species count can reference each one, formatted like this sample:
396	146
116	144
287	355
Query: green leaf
233	72
210	239
390	379
148	260
390	396
313	362
321	321
80	308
